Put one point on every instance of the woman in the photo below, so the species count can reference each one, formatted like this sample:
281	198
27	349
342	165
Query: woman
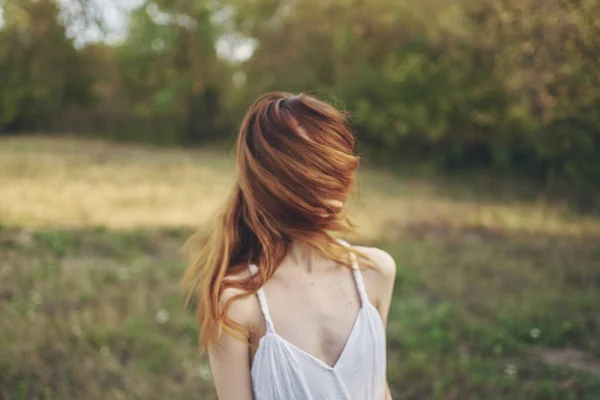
287	311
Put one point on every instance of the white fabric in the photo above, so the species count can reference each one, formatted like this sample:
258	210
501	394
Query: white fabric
282	371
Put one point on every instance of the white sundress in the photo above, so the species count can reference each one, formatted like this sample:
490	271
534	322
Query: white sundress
282	371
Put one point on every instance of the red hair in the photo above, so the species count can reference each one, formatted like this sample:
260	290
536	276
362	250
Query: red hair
294	154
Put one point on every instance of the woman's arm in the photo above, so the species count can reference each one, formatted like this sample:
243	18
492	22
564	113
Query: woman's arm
230	356
381	283
388	394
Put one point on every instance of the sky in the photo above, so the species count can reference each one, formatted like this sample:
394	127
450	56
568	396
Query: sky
114	16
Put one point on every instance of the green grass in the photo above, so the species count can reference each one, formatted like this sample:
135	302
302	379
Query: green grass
95	313
473	320
496	297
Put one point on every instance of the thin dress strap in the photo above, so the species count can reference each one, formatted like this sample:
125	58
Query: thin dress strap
262	300
360	284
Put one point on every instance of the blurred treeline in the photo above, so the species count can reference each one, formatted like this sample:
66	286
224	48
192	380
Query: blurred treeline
512	86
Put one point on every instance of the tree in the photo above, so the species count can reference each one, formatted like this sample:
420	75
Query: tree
170	70
42	72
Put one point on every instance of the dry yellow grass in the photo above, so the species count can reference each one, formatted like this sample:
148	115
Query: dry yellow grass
68	182
62	182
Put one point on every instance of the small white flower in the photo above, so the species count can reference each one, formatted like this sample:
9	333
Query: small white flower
510	371
535	333
35	298
204	372
162	316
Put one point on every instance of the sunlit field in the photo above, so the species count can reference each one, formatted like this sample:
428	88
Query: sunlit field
497	293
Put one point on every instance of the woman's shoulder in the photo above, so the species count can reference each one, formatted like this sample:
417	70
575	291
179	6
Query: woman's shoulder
244	309
385	266
379	274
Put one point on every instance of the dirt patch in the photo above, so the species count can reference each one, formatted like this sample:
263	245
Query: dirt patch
570	358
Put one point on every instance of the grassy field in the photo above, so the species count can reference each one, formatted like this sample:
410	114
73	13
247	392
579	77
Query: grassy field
497	295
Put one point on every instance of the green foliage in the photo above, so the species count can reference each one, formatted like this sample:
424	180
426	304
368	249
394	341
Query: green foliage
170	74
452	332
57	242
505	85
42	73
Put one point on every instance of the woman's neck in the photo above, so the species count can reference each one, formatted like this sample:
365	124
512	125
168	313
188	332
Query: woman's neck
302	255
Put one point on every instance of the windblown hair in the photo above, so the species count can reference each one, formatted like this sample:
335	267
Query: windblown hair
294	155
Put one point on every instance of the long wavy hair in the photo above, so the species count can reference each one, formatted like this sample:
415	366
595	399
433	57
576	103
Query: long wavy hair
295	167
